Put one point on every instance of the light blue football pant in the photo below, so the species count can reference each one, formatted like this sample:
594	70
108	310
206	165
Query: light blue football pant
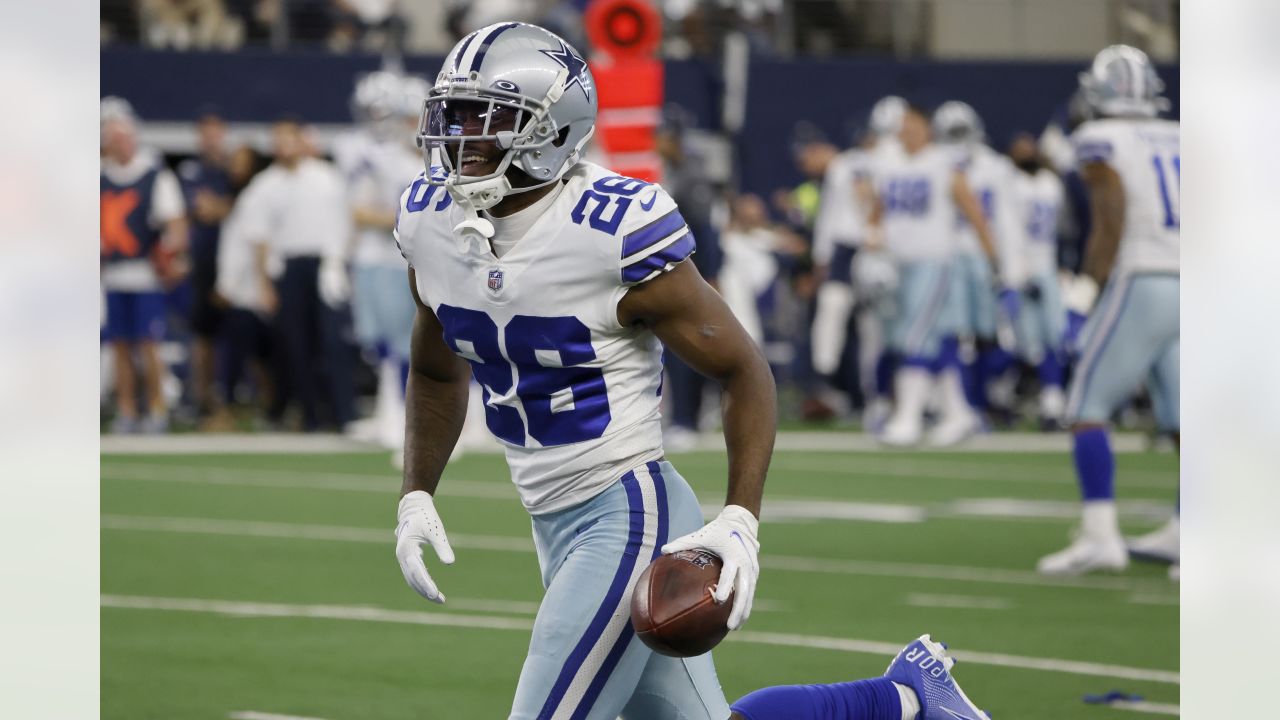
1131	337
382	308
923	312
1041	322
973	296
584	659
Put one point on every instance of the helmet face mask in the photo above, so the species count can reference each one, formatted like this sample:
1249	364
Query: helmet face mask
508	96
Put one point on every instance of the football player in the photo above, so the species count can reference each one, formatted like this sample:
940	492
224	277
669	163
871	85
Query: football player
920	188
1039	197
1130	160
143	229
558	283
957	126
838	233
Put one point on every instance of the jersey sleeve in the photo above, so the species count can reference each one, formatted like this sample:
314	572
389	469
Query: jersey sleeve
418	201
1093	143
655	239
166	199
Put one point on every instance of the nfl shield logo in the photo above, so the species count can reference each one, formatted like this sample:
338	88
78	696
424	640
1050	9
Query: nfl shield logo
495	281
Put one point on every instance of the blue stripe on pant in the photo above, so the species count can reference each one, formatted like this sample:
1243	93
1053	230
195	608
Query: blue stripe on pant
584	660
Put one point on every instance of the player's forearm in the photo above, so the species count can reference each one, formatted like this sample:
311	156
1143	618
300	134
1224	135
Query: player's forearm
434	413
373	218
750	414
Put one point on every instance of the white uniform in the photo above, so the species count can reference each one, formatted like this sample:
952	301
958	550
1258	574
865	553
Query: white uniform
918	226
572	395
841	221
1133	333
1039	199
990	176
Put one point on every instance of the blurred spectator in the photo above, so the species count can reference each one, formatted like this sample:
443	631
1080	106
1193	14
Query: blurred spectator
207	190
142	232
188	24
370	24
751	244
298	220
247	342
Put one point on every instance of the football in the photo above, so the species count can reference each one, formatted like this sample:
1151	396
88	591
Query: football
672	609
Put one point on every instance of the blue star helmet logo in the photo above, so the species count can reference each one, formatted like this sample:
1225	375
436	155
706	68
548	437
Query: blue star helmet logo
576	66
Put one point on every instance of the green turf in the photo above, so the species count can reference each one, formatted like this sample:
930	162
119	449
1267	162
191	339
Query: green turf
167	664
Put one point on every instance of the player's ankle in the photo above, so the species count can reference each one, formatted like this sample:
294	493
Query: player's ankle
910	702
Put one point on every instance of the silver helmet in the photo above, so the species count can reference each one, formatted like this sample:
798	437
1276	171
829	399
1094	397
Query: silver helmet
514	87
886	115
1122	82
956	122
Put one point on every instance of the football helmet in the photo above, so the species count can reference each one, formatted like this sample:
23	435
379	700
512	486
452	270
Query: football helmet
514	86
1122	82
956	122
886	115
377	97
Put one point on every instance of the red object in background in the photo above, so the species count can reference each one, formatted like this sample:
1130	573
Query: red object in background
624	35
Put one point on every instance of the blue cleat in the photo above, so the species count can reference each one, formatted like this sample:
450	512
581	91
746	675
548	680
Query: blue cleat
925	667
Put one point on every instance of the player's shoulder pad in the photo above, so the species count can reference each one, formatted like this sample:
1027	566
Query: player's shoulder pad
1096	140
650	236
422	206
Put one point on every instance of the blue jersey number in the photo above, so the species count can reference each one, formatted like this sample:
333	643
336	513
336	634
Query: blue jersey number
1170	193
907	196
612	194
564	400
420	194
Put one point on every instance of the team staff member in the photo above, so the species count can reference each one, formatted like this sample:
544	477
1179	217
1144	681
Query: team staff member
299	218
207	189
142	229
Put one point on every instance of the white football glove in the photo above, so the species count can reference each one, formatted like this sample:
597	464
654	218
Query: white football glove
420	523
731	536
333	282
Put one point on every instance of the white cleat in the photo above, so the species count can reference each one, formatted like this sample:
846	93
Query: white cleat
1086	554
901	431
1162	545
953	430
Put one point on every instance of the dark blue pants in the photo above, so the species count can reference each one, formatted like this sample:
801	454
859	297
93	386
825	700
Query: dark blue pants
316	351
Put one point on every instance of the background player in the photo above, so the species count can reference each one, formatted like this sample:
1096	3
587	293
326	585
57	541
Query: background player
1039	197
560	282
143	229
1130	160
920	189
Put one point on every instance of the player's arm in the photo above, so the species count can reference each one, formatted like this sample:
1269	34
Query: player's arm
968	204
435	405
1107	203
435	400
693	321
867	197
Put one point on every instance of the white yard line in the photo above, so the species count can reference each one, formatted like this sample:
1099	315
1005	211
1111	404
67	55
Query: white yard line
1147	707
964	602
369	614
256	715
507	543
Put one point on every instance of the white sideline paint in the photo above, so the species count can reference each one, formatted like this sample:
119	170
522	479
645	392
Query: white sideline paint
317	443
964	602
369	614
256	715
500	543
1147	707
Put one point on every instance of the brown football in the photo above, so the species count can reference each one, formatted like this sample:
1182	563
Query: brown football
671	606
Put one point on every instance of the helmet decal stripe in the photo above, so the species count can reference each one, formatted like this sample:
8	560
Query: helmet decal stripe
457	59
484	46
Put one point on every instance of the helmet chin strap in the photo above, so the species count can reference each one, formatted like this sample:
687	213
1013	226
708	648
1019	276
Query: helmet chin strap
473	197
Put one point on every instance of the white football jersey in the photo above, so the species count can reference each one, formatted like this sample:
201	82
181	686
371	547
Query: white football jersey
1145	153
990	177
841	219
1039	202
918	219
572	396
377	172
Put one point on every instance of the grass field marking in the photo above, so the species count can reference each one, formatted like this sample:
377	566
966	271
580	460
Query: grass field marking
494	622
1019	509
1143	706
963	602
1154	599
507	543
256	715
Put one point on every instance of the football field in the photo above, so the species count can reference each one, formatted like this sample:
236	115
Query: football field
259	585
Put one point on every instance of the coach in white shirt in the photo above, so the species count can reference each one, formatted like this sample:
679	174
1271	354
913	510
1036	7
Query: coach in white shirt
299	217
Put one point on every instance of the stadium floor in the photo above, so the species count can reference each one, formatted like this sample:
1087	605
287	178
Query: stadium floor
260	586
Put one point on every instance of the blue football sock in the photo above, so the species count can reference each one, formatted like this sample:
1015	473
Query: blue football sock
886	366
1050	370
948	354
861	700
1095	465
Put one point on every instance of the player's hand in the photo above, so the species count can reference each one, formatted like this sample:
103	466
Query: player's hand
333	282
419	524
1079	297
731	536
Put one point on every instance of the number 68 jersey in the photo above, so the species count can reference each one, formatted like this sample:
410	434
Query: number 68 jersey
572	395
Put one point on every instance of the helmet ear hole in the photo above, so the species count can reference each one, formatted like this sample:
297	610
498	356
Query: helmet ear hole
561	137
